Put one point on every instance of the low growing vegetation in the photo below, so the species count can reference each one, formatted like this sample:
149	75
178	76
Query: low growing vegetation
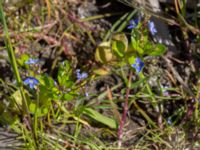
72	78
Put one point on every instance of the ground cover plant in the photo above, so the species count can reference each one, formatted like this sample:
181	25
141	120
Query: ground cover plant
99	75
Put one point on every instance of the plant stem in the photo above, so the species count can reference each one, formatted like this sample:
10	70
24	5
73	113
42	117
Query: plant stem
11	55
12	59
125	110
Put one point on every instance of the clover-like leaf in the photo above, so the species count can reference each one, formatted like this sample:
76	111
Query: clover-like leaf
119	44
103	53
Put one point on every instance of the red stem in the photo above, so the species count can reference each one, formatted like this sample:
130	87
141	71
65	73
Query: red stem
123	119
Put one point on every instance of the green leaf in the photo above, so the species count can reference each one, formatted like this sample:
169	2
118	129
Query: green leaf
15	105
100	118
119	44
47	94
32	107
8	118
148	46
137	83
47	81
131	60
136	46
48	89
103	53
18	98
65	75
23	58
41	111
68	96
102	71
16	101
159	50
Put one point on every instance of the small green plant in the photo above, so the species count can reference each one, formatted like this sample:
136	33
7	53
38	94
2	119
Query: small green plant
119	51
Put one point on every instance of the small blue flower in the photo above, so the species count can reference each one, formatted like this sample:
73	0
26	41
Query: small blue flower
169	121
165	90
82	75
31	61
138	65
86	94
31	82
133	24
152	28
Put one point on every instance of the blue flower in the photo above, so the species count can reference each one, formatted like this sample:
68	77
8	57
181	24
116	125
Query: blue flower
31	61
86	94
31	82
138	65
133	24
82	75
169	121
152	28
165	90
